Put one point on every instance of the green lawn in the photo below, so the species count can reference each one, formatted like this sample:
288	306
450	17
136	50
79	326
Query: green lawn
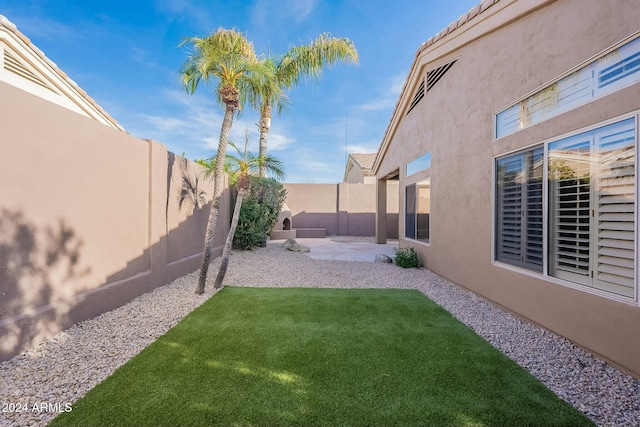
314	357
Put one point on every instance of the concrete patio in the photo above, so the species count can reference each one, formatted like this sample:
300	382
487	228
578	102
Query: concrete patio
344	248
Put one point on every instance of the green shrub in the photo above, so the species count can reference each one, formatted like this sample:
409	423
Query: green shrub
260	210
407	258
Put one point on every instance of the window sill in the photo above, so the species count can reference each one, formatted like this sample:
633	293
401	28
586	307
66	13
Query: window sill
420	242
593	291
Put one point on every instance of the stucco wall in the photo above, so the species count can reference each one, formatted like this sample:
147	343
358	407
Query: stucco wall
89	219
344	209
527	44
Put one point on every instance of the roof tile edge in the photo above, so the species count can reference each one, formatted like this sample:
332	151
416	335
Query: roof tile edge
473	13
461	21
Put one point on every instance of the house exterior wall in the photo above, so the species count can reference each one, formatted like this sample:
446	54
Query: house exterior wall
344	209
355	176
505	53
89	219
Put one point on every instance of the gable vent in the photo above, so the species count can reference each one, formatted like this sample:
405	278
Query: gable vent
436	74
433	77
12	64
418	97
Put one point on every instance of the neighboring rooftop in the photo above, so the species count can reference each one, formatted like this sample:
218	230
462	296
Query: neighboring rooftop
362	161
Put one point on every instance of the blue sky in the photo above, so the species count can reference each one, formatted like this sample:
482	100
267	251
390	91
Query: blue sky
125	55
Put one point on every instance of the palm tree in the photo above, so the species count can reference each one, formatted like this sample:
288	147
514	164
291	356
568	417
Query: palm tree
227	57
305	60
241	168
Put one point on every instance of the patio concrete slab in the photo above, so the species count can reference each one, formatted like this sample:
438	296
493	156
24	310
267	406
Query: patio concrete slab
344	248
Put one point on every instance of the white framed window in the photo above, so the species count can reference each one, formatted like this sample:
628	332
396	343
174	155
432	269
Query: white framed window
587	207
417	223
419	164
604	74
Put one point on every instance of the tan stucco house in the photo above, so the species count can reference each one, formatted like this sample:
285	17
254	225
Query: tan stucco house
359	168
514	143
26	67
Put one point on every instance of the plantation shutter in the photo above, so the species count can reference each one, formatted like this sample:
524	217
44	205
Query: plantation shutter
575	89
509	209
611	71
592	208
519	210
508	121
533	214
619	68
570	208
615	209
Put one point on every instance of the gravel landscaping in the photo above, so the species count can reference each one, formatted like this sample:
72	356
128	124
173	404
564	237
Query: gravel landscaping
53	375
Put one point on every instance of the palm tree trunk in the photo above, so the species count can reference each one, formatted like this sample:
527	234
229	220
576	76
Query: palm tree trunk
218	176
264	126
227	245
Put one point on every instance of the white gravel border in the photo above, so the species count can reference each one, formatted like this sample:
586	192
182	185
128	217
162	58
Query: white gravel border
52	376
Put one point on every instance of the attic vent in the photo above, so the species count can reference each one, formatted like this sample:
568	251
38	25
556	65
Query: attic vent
12	64
436	74
418	97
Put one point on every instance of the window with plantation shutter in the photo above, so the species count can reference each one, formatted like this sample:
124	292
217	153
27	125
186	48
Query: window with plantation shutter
519	210
591	211
592	208
619	67
615	209
570	208
604	74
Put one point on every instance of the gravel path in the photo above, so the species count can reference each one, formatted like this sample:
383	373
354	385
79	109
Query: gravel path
53	375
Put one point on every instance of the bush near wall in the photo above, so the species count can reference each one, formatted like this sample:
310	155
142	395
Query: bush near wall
407	258
259	212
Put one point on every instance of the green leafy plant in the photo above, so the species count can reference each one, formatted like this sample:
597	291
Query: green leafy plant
407	258
260	210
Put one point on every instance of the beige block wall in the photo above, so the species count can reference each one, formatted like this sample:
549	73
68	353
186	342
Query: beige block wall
89	219
345	209
455	122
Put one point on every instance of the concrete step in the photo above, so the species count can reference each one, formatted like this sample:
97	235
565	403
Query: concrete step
310	232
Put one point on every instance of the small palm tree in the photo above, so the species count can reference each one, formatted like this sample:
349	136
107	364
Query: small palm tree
241	167
305	60
209	167
229	59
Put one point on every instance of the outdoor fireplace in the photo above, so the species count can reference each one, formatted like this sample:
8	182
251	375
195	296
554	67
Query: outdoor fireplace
283	229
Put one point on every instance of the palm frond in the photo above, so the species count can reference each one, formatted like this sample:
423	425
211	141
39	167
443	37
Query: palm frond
309	60
225	57
274	166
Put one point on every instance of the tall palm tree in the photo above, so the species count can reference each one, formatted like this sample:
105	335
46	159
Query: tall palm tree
241	168
305	60
228	58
